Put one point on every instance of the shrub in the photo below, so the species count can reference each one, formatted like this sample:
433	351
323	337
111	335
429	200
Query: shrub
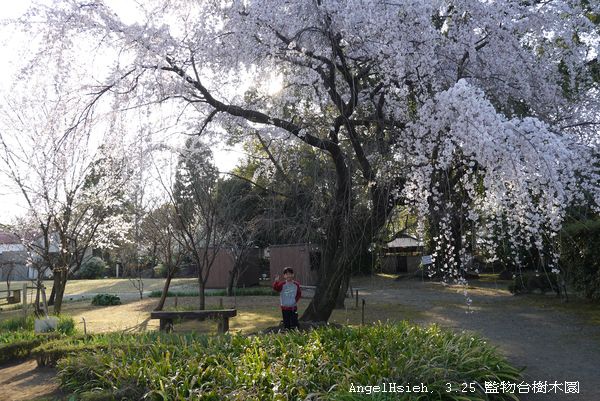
319	364
529	282
106	300
580	257
92	268
160	270
66	325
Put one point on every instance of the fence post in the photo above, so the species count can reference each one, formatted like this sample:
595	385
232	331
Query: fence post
363	312
25	299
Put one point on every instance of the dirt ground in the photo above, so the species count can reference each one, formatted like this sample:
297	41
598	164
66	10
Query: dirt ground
25	382
554	341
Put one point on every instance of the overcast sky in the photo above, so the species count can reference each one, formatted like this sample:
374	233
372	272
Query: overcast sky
11	201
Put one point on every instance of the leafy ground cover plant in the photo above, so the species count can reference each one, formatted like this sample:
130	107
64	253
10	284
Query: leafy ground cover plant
106	300
324	363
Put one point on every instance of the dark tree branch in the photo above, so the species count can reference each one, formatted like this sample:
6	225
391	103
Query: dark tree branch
248	114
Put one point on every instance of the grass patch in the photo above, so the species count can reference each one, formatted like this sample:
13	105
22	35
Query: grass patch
583	308
240	292
11	307
170	294
322	363
491	278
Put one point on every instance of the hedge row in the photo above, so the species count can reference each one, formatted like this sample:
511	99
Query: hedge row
18	340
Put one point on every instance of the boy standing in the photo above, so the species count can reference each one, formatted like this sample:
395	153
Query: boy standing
290	294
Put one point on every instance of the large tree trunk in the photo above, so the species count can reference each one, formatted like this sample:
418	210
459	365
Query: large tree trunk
345	240
327	290
332	270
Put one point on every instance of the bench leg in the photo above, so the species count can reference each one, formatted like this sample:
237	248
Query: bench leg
166	325
223	325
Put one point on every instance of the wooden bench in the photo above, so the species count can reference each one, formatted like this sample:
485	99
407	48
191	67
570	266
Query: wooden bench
15	298
167	317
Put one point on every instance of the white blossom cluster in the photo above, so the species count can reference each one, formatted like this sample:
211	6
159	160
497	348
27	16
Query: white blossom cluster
515	168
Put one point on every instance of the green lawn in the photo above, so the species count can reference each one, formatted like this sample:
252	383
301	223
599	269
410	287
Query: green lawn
109	285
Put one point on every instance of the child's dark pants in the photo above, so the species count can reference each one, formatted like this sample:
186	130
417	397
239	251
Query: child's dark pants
290	319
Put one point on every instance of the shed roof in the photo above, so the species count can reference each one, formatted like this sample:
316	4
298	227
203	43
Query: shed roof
404	242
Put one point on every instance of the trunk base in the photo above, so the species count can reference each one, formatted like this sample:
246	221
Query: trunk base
304	327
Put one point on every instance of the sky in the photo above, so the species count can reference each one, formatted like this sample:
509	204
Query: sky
11	200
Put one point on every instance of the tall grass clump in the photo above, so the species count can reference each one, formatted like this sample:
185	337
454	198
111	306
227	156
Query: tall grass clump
323	364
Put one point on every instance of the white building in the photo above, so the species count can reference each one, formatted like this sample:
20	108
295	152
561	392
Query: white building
14	259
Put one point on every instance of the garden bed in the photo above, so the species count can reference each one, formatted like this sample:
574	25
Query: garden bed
326	363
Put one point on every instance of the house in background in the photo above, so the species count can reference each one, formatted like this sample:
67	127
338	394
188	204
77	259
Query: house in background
14	259
402	255
305	259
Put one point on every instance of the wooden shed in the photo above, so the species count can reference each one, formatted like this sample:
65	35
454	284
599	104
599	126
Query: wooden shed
223	264
402	255
305	259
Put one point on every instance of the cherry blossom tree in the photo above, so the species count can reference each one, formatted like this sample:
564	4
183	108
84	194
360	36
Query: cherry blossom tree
395	94
72	190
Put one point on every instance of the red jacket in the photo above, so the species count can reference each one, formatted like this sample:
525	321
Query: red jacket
278	286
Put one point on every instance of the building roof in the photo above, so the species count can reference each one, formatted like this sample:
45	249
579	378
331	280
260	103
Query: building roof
404	242
8	238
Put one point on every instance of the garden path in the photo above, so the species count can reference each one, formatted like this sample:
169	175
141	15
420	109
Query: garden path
554	341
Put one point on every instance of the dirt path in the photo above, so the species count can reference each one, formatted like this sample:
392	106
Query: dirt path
24	381
531	332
